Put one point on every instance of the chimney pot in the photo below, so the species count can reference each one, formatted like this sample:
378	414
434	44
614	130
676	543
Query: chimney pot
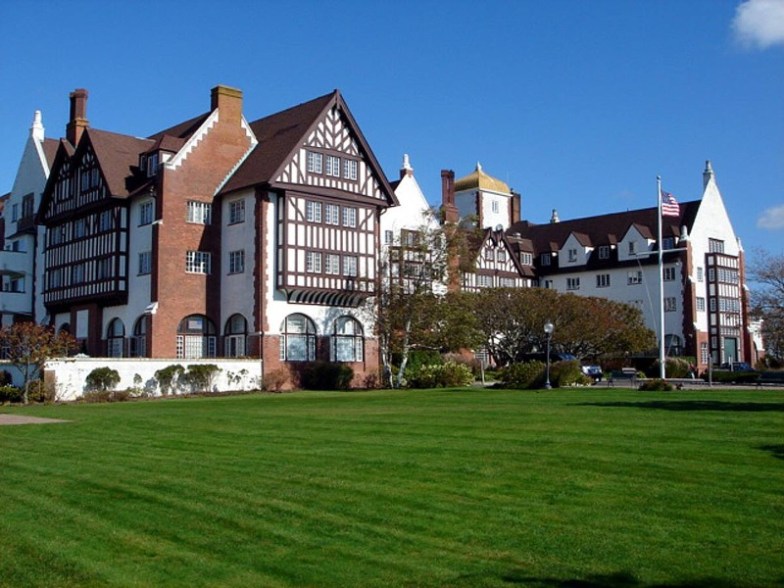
77	122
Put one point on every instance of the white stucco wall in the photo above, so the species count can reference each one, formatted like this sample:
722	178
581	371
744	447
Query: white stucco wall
237	289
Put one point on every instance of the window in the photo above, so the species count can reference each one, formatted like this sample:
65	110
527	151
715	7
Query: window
196	337
77	273
545	259
236	211
711	274
712	304
350	265
199	212
489	254
105	221
572	255
526	258
634	277
388	237
670	304
572	283
152	165
700	274
632	247
79	228
27	206
332	214
347	341
700	303
145	212
602	280
236	333
237	261
484	281
315	162
145	262
138	343
313	211
669	274
548	284
313	262
349	216
704	352
495	206
350	169
715	246
668	243
333	166
115	338
197	262
604	252
297	339
14	212
103	268
333	264
501	255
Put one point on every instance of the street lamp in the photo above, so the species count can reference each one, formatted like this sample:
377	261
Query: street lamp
548	329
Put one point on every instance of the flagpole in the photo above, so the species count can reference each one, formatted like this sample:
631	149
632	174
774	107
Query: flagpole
662	372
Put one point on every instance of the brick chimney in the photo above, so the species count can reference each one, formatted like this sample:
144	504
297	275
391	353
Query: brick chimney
229	102
451	214
77	122
515	209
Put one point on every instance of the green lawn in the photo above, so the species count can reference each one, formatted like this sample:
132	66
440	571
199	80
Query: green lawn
418	488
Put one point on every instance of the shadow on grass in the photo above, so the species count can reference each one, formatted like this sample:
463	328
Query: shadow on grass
775	450
694	405
618	580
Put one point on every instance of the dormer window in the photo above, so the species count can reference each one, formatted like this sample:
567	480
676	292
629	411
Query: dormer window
152	165
526	258
572	255
545	259
604	252
632	247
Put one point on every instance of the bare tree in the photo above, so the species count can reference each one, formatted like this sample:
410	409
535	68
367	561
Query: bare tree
767	273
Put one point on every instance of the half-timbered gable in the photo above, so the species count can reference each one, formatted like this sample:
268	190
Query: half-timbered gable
496	265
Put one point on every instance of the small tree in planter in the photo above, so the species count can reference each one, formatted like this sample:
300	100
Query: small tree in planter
102	379
200	377
168	377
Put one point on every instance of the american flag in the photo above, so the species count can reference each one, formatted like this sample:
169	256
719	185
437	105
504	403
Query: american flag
670	205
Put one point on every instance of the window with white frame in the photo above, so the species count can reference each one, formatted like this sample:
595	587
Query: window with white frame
349	216
197	262
313	211
315	162
313	262
332	214
333	264
604	252
500	255
237	261
145	262
237	211
199	212
349	265
632	247
350	169
700	303
572	255
634	277
572	283
489	254
77	273
196	338
235	336
347	340
704	352
333	166
494	206
715	246
146	210
670	304
700	274
105	221
669	274
388	237
602	280
526	258
484	281
297	338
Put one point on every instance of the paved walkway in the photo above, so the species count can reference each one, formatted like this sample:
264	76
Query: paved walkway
18	419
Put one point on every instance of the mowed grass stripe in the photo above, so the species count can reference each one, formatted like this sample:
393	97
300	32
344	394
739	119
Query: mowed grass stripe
402	488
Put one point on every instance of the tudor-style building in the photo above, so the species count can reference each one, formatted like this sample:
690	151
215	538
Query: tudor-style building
218	237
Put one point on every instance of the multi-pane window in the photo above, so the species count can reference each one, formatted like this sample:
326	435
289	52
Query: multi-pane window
572	283
704	352
350	265
27	206
350	169
388	237
715	246
494	206
604	252
347	342
333	264
632	247
668	243
545	259
313	211
332	214
197	262
313	262
237	211
333	166
145	212
298	339
237	261
199	212
145	262
105	221
315	162
700	303
700	274
526	258
634	277
79	228
489	254
670	304
602	280
573	255
77	273
669	274
349	216
501	255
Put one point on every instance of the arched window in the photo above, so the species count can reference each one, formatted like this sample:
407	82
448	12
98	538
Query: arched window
195	337
347	342
115	338
297	338
235	334
138	343
673	345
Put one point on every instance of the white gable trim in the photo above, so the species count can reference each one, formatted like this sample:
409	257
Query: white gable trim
253	142
193	142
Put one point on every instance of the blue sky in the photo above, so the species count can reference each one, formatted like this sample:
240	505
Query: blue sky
577	105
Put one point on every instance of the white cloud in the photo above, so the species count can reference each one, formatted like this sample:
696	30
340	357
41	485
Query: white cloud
759	24
772	219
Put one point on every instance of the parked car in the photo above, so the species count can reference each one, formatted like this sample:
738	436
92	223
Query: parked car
593	371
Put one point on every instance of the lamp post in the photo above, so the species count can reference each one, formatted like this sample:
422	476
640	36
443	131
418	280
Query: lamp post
548	329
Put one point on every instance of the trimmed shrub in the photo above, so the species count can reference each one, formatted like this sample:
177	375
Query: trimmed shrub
10	393
655	385
275	380
728	377
567	373
322	375
448	375
418	358
102	378
523	376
